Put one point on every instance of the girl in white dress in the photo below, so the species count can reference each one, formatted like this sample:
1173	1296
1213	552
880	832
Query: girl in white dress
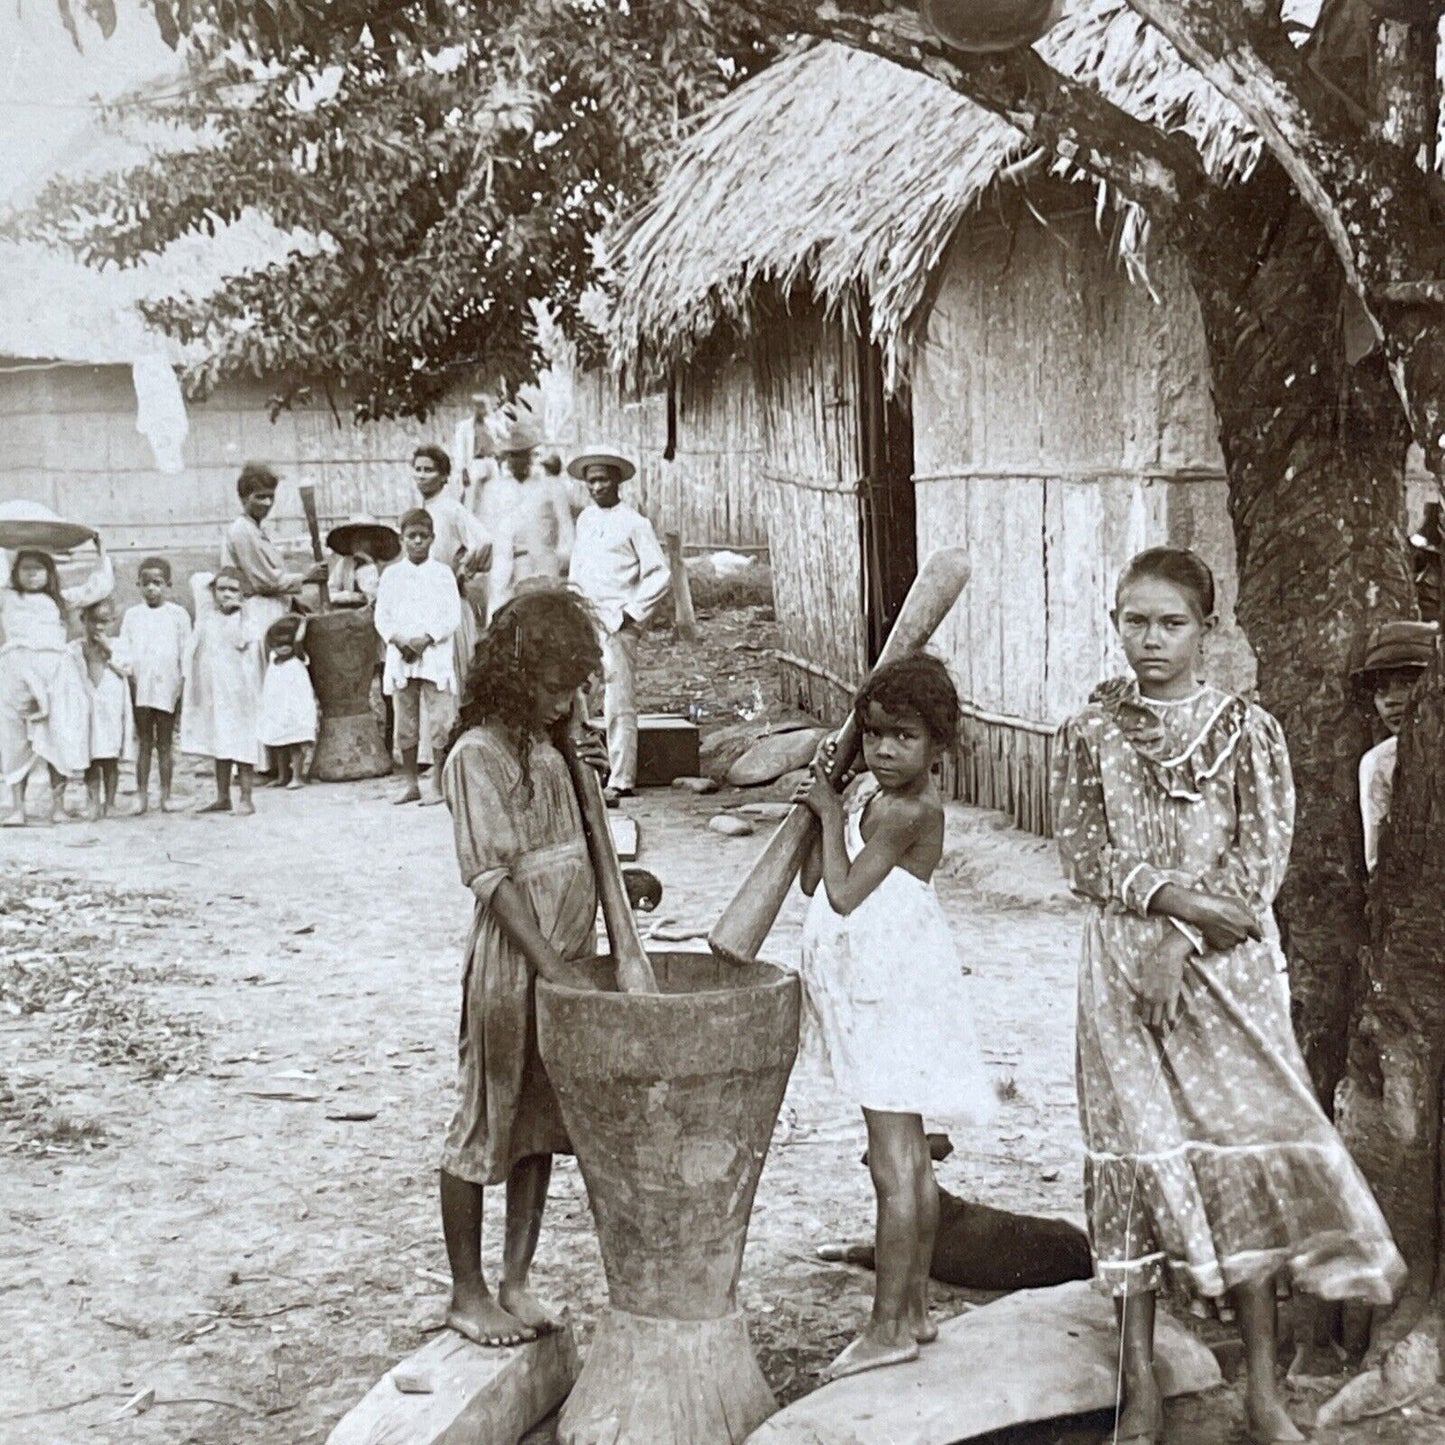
288	702
884	986
106	732
221	717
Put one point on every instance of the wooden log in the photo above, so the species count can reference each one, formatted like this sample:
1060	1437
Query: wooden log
1035	1355
476	1394
685	617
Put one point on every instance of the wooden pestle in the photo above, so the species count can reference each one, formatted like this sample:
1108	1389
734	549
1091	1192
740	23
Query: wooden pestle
634	968
747	920
313	525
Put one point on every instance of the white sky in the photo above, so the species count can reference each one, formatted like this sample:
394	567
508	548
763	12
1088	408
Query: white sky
45	83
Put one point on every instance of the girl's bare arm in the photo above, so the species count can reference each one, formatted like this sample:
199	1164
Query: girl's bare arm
812	871
848	884
519	923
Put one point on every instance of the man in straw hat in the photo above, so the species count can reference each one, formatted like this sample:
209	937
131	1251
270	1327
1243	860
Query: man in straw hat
619	567
538	513
1395	659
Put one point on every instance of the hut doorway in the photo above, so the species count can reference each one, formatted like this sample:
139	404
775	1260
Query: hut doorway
887	521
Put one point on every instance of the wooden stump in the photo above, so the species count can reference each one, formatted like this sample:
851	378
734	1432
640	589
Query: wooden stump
670	1100
342	647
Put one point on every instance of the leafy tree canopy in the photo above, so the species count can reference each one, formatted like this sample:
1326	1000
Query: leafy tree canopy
455	160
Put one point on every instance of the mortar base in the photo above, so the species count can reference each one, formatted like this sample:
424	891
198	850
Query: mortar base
653	1381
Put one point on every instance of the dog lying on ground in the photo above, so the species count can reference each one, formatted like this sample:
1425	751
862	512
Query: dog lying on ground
982	1248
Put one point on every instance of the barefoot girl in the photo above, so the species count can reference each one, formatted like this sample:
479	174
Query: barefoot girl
109	724
1209	1164
222	713
34	609
884	985
288	703
523	854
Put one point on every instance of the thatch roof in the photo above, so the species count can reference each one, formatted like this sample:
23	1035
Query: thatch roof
845	174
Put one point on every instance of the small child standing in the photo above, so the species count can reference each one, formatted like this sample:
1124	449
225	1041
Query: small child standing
110	726
1209	1164
222	713
523	855
288	702
153	636
418	610
884	986
1396	659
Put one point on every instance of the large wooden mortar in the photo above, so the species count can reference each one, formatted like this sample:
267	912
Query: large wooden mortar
670	1100
342	647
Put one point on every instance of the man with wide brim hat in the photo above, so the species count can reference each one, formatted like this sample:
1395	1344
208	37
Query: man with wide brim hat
618	565
1396	657
537	513
602	462
362	546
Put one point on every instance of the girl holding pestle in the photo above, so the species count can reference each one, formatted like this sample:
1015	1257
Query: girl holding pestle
883	984
523	854
1209	1165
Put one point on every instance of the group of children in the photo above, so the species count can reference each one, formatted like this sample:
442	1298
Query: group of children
1210	1166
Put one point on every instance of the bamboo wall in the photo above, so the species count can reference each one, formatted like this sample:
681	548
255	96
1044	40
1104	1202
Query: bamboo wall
808	399
68	440
1062	422
709	491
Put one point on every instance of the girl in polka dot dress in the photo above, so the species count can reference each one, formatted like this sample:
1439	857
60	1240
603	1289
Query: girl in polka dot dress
1209	1163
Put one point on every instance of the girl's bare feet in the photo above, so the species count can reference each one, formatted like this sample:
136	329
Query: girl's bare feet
218	805
294	785
476	1315
522	1305
870	1353
245	808
1267	1422
1141	1421
411	795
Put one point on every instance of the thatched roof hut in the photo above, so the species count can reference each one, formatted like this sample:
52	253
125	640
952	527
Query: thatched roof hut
946	332
842	175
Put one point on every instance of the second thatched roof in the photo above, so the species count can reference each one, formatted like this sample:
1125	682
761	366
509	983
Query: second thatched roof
845	175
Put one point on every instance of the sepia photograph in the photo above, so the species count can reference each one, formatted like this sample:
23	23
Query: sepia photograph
722	722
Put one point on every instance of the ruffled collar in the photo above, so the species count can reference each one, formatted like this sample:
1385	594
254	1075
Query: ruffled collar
1217	720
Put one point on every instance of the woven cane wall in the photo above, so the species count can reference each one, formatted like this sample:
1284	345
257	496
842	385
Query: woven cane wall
1062	422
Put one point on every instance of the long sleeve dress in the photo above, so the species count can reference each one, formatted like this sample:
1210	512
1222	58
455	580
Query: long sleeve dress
221	718
40	698
506	1109
1208	1162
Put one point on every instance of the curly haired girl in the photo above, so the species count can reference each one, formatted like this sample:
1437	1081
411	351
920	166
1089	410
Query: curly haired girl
523	854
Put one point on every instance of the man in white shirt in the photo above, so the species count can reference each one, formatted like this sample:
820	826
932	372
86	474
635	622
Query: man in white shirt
538	517
619	567
418	611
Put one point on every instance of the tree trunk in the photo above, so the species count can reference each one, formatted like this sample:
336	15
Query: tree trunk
1390	1101
1315	451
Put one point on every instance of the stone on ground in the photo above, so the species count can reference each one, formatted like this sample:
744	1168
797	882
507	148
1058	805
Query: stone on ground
770	757
730	826
476	1394
1039	1354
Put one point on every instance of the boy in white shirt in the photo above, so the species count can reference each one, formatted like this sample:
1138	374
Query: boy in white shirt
153	636
418	611
618	565
1397	656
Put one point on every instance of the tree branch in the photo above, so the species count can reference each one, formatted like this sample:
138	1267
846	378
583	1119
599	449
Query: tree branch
1160	172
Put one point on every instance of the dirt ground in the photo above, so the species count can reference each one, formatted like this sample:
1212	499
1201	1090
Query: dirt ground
191	1008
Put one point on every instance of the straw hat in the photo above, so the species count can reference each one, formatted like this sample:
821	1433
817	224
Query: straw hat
380	542
985	26
517	435
578	465
29	524
1399	644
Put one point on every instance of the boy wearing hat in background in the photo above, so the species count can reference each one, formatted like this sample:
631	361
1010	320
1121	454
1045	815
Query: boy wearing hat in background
1397	656
618	565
